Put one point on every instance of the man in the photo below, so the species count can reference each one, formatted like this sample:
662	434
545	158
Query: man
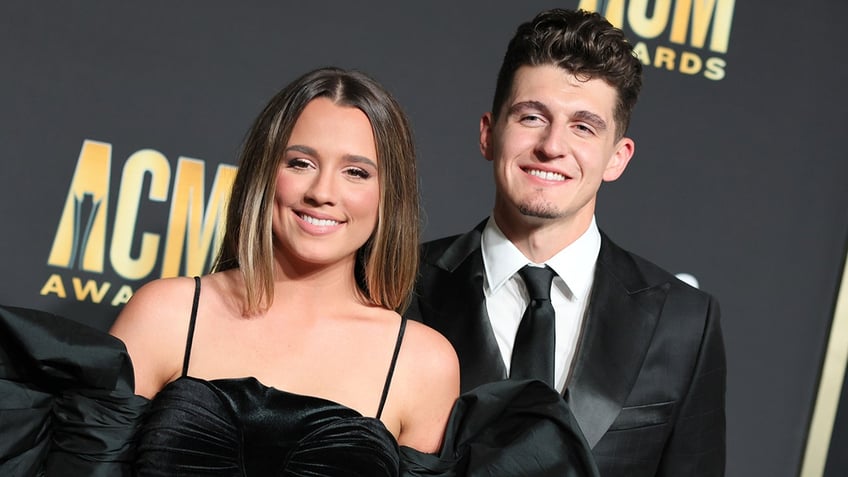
637	353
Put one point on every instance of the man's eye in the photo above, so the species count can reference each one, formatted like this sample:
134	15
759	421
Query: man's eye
531	118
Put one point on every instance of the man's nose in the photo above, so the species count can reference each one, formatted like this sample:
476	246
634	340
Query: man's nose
553	143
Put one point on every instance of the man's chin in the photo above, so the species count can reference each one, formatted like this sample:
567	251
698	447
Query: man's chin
539	211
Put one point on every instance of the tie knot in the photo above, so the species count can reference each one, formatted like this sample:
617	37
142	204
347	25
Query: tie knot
538	281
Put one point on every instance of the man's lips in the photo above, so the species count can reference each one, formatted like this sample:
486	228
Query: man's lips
546	175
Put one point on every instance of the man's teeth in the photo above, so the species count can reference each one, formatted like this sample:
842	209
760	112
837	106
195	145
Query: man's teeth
550	176
318	222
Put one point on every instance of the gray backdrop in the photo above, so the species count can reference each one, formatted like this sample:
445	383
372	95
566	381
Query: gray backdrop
737	181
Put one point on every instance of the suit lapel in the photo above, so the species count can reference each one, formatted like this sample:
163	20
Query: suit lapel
623	312
457	309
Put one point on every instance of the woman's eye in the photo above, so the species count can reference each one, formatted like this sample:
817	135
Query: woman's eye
298	163
358	173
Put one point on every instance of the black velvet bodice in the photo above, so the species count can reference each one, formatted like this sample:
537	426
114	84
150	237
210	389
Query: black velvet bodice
240	427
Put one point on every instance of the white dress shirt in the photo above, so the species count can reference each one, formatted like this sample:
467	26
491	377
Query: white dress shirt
507	298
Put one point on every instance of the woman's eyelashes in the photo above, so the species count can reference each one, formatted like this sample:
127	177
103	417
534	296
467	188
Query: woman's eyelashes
357	173
300	164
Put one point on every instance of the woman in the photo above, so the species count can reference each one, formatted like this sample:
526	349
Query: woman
300	317
291	359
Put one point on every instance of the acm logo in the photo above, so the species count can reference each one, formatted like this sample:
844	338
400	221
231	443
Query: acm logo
194	230
677	31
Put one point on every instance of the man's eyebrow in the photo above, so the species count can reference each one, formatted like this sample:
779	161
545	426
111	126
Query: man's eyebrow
525	105
357	159
583	115
591	118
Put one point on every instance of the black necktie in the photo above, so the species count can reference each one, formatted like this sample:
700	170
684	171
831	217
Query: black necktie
533	353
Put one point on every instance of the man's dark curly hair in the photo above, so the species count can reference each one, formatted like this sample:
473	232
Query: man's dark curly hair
583	43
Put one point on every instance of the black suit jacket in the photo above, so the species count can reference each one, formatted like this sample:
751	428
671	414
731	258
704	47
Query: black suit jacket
647	382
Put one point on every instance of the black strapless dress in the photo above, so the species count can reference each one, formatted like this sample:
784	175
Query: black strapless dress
67	408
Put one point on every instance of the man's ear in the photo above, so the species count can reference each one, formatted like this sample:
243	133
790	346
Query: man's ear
624	150
486	125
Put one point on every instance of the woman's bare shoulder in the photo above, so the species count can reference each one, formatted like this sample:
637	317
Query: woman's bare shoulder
427	384
153	326
430	357
158	301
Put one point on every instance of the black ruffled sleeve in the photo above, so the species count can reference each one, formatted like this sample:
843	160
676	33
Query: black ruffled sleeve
67	405
514	428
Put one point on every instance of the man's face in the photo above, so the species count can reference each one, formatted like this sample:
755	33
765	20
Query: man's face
552	144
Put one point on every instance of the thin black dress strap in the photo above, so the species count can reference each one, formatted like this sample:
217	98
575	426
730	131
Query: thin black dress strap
191	323
391	368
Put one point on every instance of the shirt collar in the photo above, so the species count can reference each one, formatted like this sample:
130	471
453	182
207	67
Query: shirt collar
575	264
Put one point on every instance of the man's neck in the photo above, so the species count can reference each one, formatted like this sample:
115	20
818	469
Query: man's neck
541	239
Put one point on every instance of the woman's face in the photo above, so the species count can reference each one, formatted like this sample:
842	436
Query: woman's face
328	190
